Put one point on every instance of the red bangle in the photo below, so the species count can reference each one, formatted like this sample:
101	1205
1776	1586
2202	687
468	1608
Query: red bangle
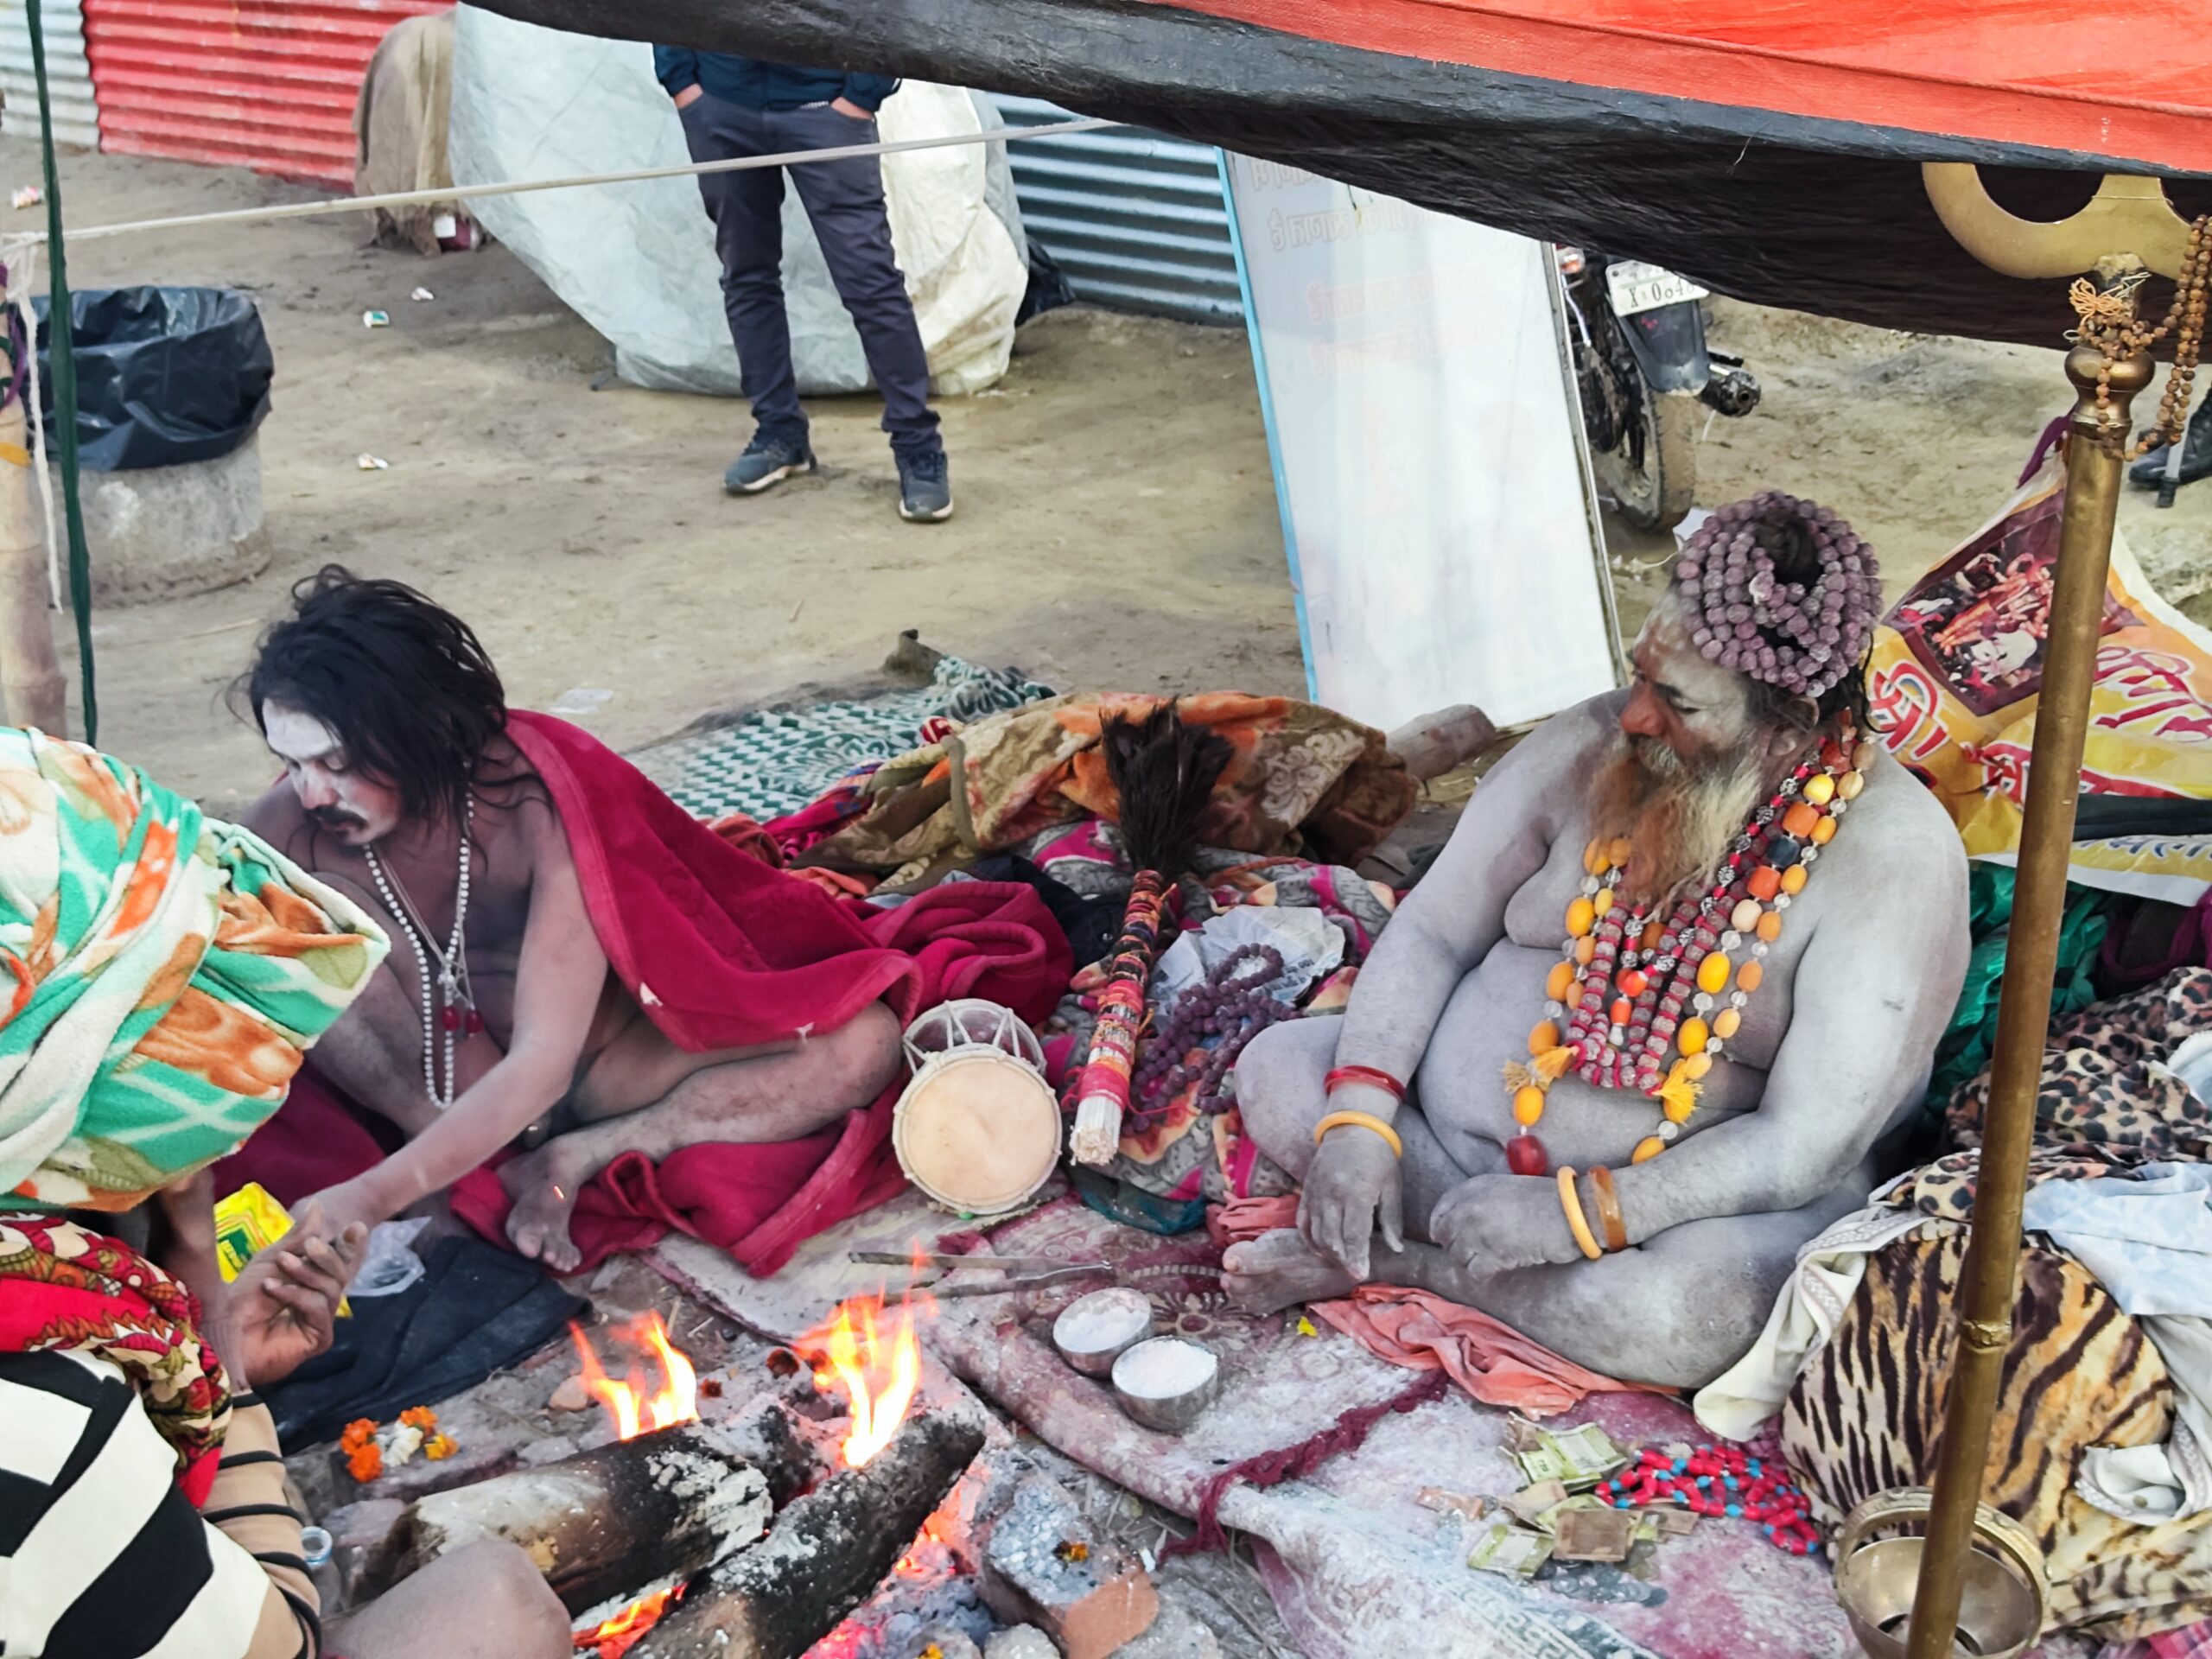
1366	1074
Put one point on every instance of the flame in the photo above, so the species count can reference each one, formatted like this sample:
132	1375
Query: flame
634	1410
615	1636
875	1363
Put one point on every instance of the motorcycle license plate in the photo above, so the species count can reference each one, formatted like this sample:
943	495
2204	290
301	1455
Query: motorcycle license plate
1638	287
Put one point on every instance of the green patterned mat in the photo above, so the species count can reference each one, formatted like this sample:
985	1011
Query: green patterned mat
775	760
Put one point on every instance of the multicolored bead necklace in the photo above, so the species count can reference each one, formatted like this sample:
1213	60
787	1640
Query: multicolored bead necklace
1632	986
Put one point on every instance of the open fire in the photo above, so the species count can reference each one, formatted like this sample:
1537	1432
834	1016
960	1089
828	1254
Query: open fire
615	1636
869	1354
866	1358
636	1408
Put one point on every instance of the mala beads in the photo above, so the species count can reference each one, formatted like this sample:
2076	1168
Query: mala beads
2109	324
1780	589
1231	1006
1639	1000
1719	1481
455	1011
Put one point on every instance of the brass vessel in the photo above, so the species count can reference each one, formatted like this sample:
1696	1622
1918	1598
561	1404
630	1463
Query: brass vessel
1878	1558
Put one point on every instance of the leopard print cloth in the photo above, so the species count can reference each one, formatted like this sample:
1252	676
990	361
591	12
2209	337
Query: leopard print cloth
2107	1102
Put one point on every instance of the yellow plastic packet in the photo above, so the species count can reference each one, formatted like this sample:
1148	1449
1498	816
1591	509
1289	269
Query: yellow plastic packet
246	1224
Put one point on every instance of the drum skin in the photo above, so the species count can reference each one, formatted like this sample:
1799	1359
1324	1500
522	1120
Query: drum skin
976	1131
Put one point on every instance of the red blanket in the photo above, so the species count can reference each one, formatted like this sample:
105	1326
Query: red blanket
720	951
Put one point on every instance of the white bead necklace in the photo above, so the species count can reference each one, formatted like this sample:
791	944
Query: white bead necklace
452	963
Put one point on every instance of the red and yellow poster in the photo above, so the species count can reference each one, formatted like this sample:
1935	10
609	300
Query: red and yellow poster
1954	676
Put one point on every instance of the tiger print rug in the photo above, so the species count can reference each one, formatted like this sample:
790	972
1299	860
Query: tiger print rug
1866	1413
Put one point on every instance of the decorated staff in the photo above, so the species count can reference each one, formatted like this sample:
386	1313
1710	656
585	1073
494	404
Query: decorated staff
1164	772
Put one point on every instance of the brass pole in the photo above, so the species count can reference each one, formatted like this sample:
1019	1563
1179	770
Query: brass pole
1989	1279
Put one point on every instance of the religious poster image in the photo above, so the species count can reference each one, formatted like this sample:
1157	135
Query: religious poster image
1953	681
1977	619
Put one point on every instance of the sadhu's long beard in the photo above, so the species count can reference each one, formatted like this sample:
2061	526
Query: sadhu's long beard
1678	815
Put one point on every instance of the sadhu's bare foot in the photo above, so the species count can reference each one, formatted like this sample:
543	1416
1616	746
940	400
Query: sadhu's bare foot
1280	1269
545	1196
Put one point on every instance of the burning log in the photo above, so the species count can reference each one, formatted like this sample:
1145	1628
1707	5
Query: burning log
601	1523
825	1555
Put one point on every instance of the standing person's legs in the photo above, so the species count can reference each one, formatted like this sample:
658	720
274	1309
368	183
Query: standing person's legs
746	208
844	200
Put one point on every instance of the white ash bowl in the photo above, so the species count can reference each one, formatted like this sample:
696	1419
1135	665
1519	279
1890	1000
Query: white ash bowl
1167	1382
1095	1330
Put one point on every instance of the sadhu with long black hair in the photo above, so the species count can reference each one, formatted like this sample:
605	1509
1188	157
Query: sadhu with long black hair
575	957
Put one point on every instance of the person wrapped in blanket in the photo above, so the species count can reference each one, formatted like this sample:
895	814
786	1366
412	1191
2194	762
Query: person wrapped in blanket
164	974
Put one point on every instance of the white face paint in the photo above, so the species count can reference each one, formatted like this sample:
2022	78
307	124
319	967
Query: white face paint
342	800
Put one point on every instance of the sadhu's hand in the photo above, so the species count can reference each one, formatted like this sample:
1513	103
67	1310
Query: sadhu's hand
1351	1190
1495	1223
284	1303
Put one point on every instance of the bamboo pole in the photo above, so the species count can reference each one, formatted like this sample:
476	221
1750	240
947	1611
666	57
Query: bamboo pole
1989	1279
31	686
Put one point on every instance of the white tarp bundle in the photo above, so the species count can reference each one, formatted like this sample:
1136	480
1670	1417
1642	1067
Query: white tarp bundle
637	261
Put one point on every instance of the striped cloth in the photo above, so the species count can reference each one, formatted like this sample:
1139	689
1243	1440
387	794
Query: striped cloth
102	1556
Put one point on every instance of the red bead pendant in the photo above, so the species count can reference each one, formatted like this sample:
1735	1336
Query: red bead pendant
449	1018
475	1022
1525	1155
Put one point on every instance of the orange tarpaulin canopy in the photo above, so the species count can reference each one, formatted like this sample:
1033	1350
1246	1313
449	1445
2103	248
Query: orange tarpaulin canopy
1770	148
2130	86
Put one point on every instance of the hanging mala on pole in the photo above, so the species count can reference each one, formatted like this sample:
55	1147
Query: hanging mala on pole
1164	771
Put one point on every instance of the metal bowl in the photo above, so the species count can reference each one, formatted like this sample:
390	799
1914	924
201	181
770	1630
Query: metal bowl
2001	1611
1081	1348
1173	1414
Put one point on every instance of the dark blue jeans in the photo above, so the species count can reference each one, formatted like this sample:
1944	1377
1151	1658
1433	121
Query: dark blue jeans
844	200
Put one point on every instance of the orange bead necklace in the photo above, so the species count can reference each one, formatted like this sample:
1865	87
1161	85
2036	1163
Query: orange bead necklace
1632	989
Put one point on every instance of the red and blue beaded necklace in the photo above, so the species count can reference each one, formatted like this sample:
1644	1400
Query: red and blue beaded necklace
1632	985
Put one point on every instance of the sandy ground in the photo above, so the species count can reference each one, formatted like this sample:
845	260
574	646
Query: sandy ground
1116	521
1116	527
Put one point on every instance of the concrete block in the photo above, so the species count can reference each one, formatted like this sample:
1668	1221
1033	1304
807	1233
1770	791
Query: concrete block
1175	1634
1044	1565
1019	1642
163	532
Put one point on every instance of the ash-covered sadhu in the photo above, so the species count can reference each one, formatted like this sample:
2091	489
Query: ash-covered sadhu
1647	1025
575	956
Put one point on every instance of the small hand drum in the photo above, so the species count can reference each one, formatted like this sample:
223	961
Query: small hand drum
978	1129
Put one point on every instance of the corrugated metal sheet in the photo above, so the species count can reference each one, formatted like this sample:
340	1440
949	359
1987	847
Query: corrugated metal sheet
265	83
1134	218
69	78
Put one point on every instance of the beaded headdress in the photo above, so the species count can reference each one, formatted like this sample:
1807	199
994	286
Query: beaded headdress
1781	589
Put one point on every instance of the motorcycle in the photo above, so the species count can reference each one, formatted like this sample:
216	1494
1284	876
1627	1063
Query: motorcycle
1644	374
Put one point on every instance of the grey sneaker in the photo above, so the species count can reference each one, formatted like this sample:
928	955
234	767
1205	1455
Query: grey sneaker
770	459
924	488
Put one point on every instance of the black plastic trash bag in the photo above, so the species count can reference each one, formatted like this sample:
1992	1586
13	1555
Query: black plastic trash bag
164	375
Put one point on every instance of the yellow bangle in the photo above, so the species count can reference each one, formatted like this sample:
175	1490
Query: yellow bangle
1571	1201
1363	1121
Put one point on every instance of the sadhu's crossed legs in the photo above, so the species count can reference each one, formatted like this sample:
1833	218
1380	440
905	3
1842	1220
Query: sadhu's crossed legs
643	1094
1716	1279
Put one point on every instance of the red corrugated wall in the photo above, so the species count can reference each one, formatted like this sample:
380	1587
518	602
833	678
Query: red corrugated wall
265	83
